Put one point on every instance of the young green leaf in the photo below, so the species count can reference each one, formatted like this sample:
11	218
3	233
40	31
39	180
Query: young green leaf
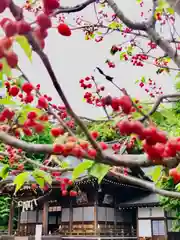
23	42
6	69
20	179
4	171
37	173
155	173
99	171
81	168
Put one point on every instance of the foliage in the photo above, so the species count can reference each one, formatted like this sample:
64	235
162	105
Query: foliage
4	211
106	131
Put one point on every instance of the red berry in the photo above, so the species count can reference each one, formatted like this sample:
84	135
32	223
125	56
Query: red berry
42	103
23	27
50	5
12	59
29	98
64	193
137	128
44	21
114	103
20	167
32	115
92	153
72	193
175	175
33	186
95	134
3	5
27	87
27	131
125	127
13	91
70	182
103	145
64	30
1	66
77	152
126	104
58	148
39	128
10	28
57	131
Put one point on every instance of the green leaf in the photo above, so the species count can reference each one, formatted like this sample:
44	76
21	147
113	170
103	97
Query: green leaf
178	187
99	33
155	173
6	69
177	85
64	165
115	25
170	11
169	115
39	181
1	80
122	55
7	101
23	42
178	75
99	171
37	173
4	171
20	180
143	79
81	168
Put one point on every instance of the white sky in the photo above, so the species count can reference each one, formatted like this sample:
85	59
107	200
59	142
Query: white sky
74	58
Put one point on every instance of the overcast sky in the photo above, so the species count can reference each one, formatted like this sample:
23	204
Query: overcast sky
74	58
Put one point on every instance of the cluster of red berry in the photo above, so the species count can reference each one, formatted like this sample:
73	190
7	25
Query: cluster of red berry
151	88
93	97
123	103
156	143
138	59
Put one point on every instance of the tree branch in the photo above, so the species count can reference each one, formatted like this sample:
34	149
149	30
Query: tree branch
76	8
145	184
164	45
157	103
124	19
124	160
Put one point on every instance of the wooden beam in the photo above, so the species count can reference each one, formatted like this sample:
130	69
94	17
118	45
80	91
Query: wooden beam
10	221
45	218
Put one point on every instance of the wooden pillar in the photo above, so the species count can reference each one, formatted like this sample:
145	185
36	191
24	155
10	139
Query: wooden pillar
19	220
70	217
11	216
45	218
96	214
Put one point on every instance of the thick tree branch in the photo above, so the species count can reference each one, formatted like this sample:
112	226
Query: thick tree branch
124	19
124	160
145	184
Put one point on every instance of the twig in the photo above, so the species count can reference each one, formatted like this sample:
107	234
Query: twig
158	102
